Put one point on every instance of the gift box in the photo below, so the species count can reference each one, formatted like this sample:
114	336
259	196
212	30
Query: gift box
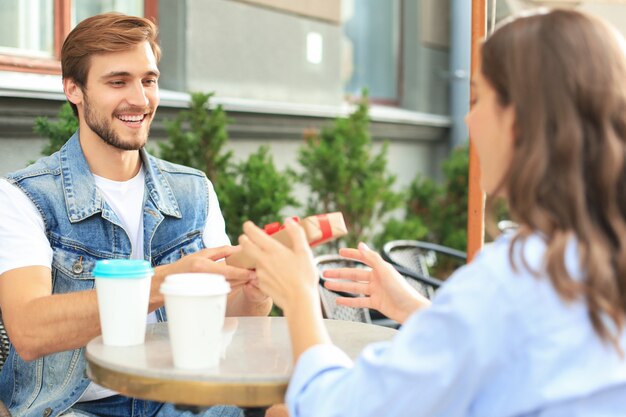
318	229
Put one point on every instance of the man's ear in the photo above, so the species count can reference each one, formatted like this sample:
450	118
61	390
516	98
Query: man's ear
73	91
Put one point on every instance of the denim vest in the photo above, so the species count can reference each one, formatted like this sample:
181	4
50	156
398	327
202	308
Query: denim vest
82	228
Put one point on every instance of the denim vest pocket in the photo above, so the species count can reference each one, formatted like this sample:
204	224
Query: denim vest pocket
72	269
177	248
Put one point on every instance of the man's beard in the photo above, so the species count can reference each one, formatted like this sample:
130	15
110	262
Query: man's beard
103	128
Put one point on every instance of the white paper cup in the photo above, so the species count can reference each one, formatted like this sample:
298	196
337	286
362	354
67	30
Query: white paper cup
196	306
123	290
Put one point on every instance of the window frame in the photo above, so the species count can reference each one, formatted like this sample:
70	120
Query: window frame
62	25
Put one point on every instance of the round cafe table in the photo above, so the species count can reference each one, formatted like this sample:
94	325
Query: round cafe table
253	373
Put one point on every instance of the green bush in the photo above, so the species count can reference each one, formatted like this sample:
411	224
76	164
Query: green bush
343	174
197	136
254	190
435	213
412	228
450	214
57	132
251	190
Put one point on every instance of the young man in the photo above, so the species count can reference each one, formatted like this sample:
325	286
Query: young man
102	196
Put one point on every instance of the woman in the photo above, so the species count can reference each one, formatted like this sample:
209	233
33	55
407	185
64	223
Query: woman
534	325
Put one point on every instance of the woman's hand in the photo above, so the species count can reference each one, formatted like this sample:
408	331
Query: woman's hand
287	275
383	287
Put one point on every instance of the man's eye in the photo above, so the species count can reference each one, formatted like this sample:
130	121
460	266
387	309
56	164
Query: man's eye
151	81
116	83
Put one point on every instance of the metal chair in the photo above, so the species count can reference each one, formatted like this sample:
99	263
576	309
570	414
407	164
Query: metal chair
330	309
4	353
4	344
422	262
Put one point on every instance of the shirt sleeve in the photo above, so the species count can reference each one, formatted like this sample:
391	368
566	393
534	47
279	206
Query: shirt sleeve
214	233
23	240
433	367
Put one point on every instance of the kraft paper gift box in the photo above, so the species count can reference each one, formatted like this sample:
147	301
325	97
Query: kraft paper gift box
318	229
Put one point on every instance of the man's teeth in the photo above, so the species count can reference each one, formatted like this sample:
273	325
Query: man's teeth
130	118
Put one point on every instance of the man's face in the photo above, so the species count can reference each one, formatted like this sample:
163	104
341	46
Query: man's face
121	96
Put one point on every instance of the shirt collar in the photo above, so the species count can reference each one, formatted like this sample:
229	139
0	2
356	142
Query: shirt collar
82	197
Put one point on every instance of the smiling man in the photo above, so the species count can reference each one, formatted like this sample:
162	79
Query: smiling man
102	196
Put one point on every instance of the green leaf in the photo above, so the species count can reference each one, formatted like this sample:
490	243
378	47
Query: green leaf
57	132
343	173
250	190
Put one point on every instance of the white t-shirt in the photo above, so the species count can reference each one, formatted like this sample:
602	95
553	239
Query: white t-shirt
23	239
126	200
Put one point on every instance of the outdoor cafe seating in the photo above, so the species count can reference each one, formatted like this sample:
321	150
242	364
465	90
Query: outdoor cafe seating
423	282
425	265
330	308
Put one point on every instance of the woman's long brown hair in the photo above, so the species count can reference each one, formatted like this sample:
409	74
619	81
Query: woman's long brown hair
564	73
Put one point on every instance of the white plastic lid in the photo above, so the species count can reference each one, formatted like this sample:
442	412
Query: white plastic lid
195	284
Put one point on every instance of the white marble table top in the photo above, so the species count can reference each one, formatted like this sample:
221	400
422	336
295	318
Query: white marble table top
254	369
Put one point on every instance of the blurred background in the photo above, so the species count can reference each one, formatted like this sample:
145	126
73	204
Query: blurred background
281	70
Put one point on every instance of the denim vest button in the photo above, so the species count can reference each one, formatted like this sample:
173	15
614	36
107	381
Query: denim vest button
77	268
47	412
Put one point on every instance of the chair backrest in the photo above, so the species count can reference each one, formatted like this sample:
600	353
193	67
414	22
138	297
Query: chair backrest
423	284
329	298
424	265
423	258
4	343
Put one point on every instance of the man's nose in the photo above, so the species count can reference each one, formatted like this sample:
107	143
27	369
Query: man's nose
138	96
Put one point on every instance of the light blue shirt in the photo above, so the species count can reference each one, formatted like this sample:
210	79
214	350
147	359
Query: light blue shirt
497	341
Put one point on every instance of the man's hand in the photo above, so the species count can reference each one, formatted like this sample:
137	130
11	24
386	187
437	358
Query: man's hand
207	261
248	300
253	293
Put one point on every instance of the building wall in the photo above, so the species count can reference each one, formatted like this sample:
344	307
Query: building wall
612	12
245	51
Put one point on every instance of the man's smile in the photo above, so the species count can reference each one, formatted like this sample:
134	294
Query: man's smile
132	119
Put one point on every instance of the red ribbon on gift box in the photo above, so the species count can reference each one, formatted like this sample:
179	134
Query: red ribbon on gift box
327	231
272	228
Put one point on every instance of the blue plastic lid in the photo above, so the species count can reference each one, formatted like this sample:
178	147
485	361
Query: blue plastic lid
122	268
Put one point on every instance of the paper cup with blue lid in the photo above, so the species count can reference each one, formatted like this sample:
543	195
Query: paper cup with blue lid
123	290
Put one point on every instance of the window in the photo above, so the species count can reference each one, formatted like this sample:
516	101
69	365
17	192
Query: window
82	9
373	30
32	31
25	28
